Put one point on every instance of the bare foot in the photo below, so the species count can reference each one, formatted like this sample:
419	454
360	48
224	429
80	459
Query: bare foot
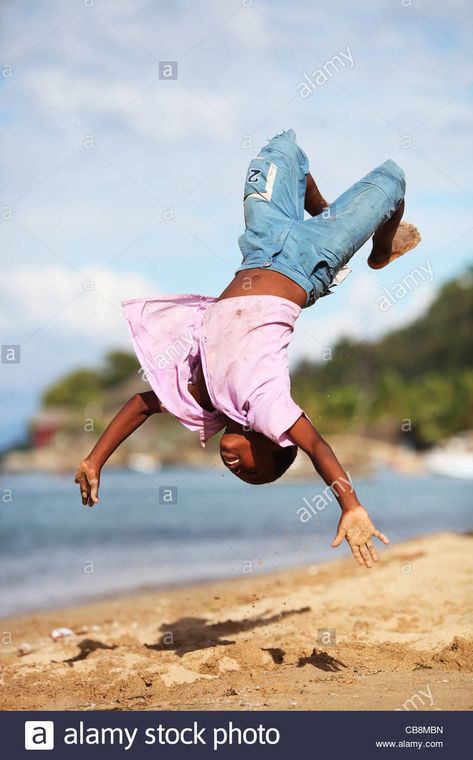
406	238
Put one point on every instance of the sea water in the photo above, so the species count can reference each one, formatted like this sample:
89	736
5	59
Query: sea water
182	526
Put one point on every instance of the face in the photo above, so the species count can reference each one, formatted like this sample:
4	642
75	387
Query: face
248	455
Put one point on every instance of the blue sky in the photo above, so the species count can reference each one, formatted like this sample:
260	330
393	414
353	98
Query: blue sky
95	148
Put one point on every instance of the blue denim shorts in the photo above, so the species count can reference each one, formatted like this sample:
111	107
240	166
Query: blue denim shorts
309	251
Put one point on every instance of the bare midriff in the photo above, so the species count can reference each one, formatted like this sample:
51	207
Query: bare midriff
264	282
250	282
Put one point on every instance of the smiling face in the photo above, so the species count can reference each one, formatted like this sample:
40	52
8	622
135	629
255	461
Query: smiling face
251	456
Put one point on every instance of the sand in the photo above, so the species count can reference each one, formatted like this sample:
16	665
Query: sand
404	640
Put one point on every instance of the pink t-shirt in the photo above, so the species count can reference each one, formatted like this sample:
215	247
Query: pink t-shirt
241	344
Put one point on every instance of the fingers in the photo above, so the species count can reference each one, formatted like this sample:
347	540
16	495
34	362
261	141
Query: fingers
94	491
381	537
359	539
372	551
90	491
338	539
356	553
85	490
366	555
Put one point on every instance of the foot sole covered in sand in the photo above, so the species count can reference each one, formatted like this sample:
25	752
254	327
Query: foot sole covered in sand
406	238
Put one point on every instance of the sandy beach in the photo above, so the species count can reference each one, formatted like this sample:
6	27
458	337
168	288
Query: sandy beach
328	637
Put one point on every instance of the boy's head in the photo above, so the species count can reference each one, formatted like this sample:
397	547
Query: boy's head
252	457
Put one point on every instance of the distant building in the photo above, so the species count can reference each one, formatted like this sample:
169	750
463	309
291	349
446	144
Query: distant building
44	426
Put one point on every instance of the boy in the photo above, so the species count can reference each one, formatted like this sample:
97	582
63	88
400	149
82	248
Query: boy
222	363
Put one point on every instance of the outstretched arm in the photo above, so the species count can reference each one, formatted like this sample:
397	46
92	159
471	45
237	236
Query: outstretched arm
126	421
355	524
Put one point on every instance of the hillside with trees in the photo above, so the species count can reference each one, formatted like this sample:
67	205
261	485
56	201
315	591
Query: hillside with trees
416	380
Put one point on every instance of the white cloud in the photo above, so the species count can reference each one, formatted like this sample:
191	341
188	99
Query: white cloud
37	300
59	327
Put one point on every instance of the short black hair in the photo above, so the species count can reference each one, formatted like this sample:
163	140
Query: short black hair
283	458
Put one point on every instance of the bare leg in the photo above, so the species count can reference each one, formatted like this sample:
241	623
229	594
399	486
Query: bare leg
314	202
393	239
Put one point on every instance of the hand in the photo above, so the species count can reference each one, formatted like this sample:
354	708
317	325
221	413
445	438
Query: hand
88	478
355	525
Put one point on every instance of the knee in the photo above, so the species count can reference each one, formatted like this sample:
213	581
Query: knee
397	174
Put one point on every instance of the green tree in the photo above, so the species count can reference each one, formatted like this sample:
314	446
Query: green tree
75	390
119	365
422	372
